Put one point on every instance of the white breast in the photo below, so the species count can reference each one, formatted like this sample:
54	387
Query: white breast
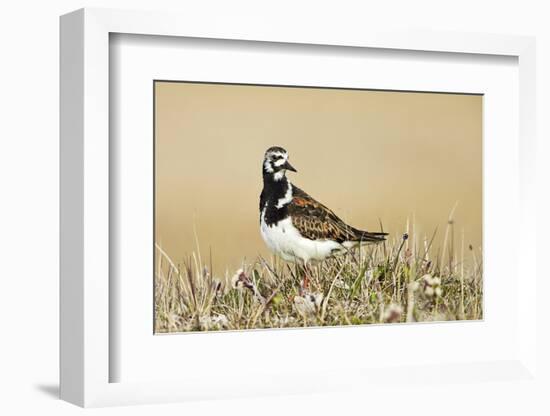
284	240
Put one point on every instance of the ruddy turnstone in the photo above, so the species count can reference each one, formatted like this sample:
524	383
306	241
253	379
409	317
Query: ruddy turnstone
297	227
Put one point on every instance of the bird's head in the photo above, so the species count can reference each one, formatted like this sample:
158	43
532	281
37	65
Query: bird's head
276	163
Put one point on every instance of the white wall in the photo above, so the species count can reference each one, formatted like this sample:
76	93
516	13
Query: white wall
29	57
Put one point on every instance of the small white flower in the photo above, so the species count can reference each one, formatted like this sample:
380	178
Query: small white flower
308	304
303	306
220	320
341	284
316	298
431	285
213	322
393	313
427	279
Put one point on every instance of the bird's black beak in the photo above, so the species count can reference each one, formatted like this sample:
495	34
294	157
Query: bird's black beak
288	166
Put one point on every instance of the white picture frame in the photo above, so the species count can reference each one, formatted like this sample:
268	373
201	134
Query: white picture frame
86	356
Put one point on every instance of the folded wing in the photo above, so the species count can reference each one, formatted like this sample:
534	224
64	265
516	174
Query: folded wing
315	221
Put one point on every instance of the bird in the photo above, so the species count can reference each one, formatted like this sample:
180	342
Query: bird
297	227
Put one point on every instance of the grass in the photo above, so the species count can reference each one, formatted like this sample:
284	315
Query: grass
396	281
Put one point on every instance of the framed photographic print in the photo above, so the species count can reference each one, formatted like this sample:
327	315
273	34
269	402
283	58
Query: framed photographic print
320	213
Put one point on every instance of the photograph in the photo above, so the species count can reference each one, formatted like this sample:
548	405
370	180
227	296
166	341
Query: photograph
295	206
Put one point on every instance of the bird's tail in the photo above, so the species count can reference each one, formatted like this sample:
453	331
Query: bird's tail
369	237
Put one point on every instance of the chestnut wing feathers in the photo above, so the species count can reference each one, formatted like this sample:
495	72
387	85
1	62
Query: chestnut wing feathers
315	221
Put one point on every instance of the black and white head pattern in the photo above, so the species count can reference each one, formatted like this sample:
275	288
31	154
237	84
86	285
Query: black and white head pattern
276	162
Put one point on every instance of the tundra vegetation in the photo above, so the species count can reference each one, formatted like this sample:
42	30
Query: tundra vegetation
404	279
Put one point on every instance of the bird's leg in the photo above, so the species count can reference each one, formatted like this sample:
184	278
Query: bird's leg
305	282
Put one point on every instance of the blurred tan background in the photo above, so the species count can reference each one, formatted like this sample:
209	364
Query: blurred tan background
367	155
